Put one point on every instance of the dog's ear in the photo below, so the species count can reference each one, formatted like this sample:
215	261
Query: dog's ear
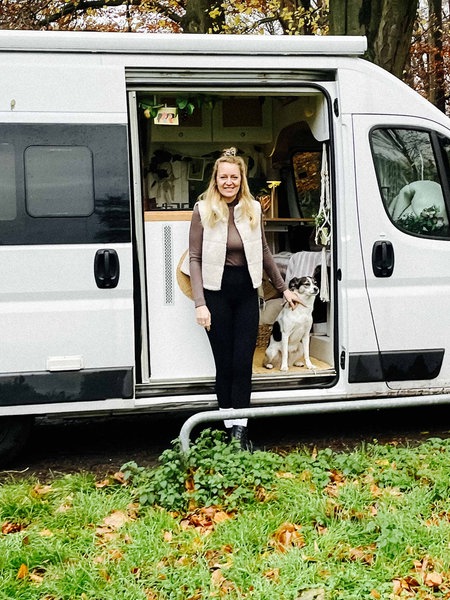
294	284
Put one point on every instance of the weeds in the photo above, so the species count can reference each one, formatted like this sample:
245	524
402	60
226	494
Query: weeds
372	523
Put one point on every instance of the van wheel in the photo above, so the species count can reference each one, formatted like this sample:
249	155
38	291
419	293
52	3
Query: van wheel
14	434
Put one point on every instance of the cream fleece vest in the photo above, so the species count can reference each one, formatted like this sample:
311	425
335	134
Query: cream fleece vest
214	247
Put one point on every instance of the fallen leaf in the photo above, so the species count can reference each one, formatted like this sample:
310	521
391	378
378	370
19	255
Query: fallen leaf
189	484
407	583
102	484
220	516
433	579
116	519
364	554
272	574
46	533
9	527
205	519
118	477
283	475
168	535
36	577
64	508
198	595
22	573
217	578
312	594
287	536
104	574
41	490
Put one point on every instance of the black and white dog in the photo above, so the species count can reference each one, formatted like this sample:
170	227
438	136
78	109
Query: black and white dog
292	328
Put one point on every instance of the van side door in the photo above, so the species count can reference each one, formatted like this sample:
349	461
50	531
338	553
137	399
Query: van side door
66	292
403	200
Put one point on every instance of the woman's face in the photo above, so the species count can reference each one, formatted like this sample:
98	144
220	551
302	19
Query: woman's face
228	180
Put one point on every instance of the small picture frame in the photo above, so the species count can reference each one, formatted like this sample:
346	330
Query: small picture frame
167	115
196	169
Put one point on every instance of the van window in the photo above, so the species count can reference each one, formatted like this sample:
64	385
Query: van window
8	208
64	184
409	180
59	181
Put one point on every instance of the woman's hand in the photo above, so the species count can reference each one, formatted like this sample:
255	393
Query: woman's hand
291	298
203	316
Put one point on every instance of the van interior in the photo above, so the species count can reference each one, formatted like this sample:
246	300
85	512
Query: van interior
284	141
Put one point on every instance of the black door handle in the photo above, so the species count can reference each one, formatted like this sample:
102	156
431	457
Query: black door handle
383	259
106	268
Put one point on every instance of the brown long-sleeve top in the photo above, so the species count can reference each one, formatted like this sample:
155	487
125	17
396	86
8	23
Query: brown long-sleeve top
235	255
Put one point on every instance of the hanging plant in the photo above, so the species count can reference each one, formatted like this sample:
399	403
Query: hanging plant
185	104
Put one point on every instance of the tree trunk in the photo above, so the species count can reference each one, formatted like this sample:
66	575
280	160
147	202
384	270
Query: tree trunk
197	18
436	66
388	25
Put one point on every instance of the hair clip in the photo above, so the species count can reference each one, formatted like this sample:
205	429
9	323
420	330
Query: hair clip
229	152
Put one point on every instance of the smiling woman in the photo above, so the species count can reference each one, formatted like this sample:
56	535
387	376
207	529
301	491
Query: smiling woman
228	251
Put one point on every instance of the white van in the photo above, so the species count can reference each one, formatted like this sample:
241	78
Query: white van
106	141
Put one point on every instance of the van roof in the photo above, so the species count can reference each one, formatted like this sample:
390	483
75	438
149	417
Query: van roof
172	43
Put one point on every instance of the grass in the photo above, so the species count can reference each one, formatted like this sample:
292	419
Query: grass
369	523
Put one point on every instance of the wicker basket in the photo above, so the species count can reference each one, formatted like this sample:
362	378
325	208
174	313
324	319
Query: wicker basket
264	332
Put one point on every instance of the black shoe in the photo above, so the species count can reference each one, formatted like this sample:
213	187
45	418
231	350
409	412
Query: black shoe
239	433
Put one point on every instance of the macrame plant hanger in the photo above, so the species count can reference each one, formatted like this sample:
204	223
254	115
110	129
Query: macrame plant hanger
323	224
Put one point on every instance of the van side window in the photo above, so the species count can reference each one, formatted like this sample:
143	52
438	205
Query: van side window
64	184
59	181
409	180
8	206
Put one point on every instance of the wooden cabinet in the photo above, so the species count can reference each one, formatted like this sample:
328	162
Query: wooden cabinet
244	119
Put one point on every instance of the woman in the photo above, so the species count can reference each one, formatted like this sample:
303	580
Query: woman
227	254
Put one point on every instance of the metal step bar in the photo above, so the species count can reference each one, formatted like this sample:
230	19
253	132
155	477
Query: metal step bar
306	409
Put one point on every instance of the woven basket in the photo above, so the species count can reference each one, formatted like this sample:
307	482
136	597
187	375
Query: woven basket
264	332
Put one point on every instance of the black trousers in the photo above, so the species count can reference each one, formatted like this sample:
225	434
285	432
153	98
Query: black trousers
234	328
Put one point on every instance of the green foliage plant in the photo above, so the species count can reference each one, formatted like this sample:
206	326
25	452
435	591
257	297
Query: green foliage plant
428	222
214	472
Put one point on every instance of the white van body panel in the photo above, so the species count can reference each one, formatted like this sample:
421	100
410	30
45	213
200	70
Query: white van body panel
80	327
81	90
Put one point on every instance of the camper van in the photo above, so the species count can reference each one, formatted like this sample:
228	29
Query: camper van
106	143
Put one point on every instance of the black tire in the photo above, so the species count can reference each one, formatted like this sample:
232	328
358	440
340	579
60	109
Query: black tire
14	434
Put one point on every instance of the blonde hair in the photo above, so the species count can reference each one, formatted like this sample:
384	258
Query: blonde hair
216	206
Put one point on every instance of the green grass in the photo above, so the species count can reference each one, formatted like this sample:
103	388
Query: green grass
368	523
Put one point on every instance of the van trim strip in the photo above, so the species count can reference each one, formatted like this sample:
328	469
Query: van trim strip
395	365
65	386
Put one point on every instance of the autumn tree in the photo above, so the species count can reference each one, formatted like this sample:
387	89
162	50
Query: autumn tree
188	16
387	24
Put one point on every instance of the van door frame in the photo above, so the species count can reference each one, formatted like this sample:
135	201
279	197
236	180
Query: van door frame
141	81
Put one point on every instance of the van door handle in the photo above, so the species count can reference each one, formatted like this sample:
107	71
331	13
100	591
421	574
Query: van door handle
383	259
106	268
